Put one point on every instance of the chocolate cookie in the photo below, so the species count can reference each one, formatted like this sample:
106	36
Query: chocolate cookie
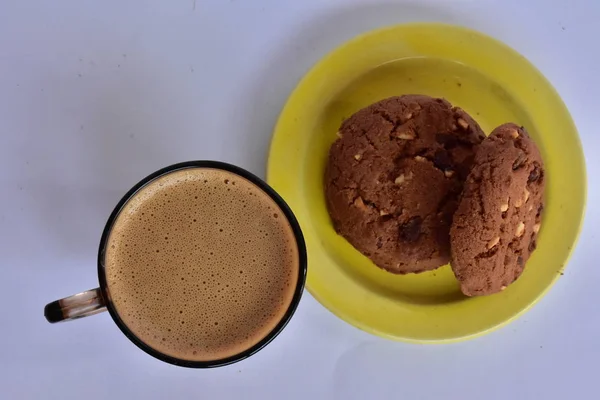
394	176
496	225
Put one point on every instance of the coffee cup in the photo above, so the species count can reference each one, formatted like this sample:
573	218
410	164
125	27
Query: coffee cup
201	264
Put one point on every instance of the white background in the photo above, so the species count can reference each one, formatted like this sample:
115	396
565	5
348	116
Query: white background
95	95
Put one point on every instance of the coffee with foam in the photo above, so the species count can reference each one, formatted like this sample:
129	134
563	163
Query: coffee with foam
201	264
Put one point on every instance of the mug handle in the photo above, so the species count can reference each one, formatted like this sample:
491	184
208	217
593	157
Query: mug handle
79	305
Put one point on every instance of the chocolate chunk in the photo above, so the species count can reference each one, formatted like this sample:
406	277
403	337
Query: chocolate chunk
442	160
539	211
536	173
410	230
532	244
520	161
448	141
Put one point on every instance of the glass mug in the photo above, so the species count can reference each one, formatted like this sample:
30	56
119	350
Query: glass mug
100	299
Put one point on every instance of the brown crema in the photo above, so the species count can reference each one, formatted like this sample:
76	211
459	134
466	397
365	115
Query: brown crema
201	264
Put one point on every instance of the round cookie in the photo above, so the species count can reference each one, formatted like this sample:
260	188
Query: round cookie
496	224
393	179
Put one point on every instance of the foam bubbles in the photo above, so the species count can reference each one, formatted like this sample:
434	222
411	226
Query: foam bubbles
201	264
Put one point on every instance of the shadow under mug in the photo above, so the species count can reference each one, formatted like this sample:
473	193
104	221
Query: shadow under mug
97	300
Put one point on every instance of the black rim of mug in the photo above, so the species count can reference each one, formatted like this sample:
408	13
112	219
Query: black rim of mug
301	271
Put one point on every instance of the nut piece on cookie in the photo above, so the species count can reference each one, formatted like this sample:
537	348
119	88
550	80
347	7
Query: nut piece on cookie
493	242
514	134
463	124
400	179
357	157
406	135
518	203
522	200
520	229
360	204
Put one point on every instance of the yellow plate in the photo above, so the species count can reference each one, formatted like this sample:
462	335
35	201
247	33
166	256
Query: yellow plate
491	82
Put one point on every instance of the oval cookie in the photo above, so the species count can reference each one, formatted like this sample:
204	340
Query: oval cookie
495	227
